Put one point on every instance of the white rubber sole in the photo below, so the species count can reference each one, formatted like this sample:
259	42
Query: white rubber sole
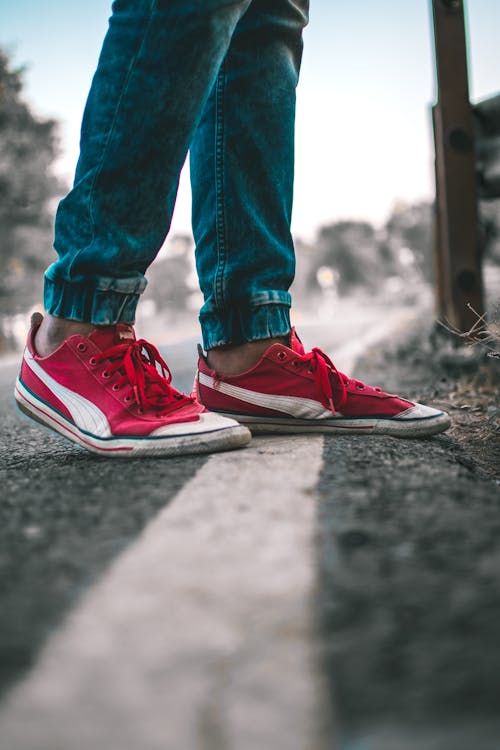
233	436
418	427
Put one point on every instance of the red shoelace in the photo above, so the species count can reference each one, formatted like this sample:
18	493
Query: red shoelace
137	362
325	371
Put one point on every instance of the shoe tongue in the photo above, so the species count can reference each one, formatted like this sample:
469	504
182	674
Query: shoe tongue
107	336
296	343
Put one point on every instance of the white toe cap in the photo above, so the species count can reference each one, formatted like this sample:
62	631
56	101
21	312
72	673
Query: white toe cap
419	411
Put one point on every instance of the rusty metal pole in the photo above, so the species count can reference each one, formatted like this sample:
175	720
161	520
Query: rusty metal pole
458	246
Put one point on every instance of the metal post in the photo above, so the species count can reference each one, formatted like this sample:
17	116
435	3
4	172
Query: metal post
457	250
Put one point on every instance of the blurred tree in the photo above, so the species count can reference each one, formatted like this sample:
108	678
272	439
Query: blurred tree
170	281
410	226
352	249
28	147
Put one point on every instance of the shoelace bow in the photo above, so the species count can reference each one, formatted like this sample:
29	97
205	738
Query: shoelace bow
137	362
324	369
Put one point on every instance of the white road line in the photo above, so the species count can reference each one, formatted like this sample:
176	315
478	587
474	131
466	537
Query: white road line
199	637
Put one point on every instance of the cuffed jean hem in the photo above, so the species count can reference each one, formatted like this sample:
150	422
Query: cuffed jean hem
239	325
107	302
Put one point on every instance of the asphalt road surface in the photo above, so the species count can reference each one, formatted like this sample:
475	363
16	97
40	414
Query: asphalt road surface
304	593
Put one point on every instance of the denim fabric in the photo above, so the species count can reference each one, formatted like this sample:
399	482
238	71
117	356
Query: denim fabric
216	76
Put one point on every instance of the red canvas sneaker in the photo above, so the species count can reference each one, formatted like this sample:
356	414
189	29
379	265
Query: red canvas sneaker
105	392
289	390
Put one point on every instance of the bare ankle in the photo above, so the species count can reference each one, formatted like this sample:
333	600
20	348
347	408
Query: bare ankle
53	331
232	360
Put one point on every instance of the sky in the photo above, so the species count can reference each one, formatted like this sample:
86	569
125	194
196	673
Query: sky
363	133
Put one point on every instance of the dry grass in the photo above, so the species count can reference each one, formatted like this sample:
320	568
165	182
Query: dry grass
473	403
483	333
473	399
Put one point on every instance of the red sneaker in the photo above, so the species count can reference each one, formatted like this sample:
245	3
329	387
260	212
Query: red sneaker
105	393
291	391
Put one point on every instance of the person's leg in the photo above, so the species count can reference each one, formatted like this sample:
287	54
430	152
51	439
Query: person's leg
83	373
256	370
242	168
158	64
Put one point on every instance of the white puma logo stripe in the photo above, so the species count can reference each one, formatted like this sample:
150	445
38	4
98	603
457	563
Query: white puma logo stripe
86	415
295	406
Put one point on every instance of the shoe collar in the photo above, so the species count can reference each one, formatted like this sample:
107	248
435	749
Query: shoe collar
295	343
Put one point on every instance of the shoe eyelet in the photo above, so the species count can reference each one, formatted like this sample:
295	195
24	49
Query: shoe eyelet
115	387
360	387
92	361
295	363
310	372
140	410
281	355
128	399
81	347
105	374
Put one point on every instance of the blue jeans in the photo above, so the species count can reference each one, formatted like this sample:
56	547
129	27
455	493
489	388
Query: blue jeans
218	78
